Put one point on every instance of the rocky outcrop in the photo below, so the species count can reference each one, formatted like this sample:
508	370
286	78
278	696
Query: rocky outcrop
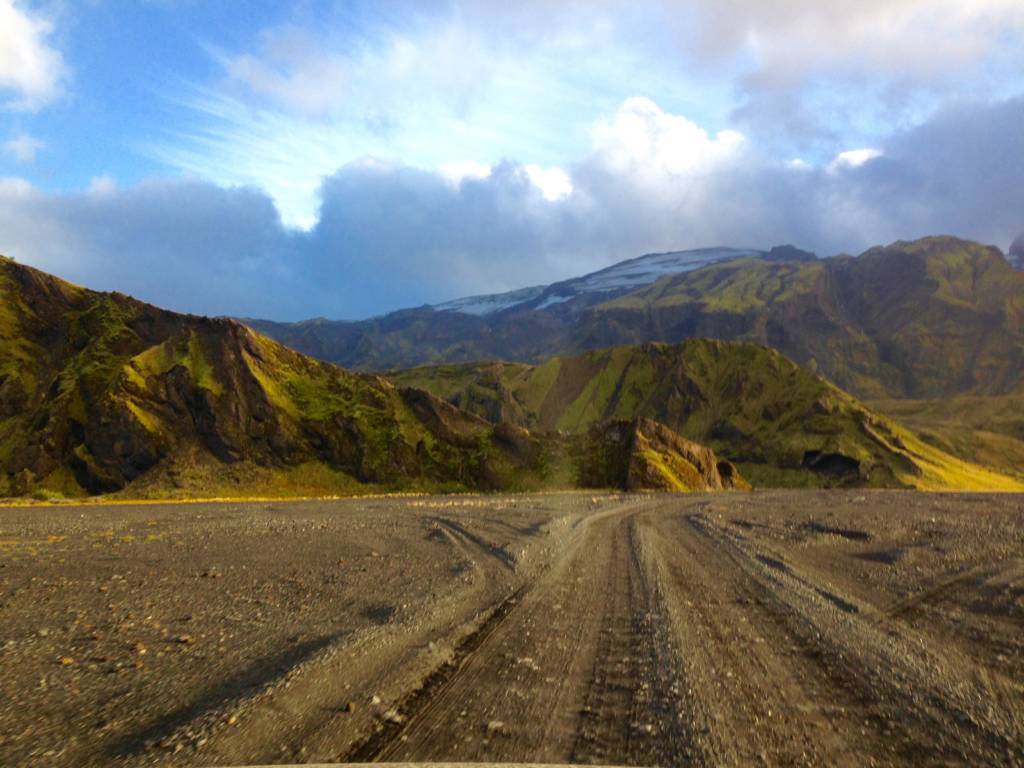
643	454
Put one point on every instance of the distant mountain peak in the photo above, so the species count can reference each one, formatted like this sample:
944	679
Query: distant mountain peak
618	278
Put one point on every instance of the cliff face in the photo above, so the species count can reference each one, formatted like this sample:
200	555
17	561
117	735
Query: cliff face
642	454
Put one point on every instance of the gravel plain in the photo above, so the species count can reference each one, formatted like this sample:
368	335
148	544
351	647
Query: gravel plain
774	628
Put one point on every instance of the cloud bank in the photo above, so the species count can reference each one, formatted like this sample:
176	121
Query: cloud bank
390	235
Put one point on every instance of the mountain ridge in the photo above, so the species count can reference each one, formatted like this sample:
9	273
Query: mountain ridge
933	317
99	392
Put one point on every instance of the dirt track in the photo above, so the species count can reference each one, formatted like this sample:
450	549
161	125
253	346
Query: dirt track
778	628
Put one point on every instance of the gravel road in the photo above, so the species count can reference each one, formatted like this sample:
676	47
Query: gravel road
776	628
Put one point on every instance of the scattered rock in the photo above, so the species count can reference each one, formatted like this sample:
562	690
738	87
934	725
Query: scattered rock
394	716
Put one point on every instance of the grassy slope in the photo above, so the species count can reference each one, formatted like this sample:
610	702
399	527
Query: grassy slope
930	318
984	429
750	404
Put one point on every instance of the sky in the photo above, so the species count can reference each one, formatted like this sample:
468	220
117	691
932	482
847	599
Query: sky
345	159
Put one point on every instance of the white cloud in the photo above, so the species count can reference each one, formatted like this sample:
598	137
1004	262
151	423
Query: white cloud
645	141
413	86
553	183
853	158
15	188
31	71
391	235
23	148
458	170
291	72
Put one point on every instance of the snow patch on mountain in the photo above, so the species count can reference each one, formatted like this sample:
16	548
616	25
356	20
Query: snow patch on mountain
621	277
486	305
645	270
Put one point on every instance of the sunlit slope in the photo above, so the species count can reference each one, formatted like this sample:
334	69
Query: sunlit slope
987	430
781	423
99	392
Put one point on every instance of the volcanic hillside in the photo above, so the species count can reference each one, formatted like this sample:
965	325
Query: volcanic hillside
782	424
99	391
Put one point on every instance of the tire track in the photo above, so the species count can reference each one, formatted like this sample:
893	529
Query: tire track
917	703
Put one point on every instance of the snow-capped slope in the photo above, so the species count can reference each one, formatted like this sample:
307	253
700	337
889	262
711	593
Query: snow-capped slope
645	270
485	305
621	277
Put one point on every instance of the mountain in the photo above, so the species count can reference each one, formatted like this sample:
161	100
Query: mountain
931	318
600	285
100	392
526	324
778	422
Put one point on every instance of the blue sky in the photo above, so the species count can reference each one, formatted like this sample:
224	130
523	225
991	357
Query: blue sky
349	158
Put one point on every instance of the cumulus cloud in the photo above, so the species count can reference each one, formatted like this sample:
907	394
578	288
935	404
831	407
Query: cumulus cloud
452	87
553	183
643	139
853	158
390	235
31	70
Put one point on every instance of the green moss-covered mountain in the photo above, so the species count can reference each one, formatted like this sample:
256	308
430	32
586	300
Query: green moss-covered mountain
100	392
924	319
779	422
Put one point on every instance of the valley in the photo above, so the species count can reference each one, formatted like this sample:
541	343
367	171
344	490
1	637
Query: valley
802	628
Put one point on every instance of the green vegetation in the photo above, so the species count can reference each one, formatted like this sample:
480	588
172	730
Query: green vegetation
100	393
986	430
932	318
780	423
185	351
